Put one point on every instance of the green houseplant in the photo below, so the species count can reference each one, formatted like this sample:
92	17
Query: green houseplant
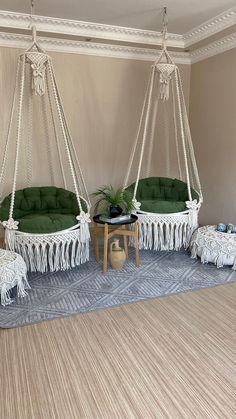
113	202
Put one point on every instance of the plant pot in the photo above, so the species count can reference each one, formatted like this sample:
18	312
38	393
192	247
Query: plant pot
115	211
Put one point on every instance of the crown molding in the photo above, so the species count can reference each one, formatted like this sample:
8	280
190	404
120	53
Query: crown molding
211	27
87	29
222	45
89	48
111	33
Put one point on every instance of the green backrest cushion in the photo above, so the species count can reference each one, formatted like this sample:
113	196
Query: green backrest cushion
163	189
43	200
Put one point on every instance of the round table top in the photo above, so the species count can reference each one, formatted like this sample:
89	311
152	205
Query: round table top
132	220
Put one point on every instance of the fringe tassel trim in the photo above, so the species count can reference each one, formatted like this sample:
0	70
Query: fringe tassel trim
164	235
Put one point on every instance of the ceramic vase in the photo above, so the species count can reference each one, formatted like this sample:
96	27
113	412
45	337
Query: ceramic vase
117	255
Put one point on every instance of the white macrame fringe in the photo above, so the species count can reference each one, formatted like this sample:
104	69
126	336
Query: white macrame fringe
50	253
214	247
13	272
165	231
21	284
164	235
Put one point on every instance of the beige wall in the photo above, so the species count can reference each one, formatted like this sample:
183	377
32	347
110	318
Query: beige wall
213	126
102	99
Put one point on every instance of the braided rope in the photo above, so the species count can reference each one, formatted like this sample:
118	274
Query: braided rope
176	131
57	101
47	139
188	134
154	117
19	121
182	133
29	137
131	159
167	137
5	154
55	132
149	99
71	143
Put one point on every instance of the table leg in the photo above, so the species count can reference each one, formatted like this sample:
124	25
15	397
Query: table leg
96	244
137	258
126	244
105	248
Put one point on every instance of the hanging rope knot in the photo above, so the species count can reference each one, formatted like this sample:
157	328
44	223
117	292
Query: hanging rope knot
84	217
38	79
165	71
10	224
38	62
136	204
192	204
165	78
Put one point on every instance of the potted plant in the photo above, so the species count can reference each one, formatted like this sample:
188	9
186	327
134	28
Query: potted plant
113	202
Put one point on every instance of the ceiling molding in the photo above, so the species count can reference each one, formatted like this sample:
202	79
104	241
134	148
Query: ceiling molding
87	29
222	45
211	27
116	33
89	48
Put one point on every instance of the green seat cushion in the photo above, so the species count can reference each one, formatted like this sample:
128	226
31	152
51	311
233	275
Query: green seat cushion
46	223
44	209
162	195
162	207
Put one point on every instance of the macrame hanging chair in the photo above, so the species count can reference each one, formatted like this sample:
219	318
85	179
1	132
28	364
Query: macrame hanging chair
167	192
46	225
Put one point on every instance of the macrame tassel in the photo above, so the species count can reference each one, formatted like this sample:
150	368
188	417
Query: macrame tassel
22	285
84	219
158	235
10	239
5	296
84	232
164	86
38	78
58	253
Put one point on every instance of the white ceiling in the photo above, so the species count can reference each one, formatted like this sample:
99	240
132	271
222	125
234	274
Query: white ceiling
142	14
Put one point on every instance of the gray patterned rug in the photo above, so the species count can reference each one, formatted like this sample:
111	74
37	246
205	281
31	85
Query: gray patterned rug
85	288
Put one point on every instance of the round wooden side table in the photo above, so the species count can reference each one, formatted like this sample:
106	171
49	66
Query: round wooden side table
108	230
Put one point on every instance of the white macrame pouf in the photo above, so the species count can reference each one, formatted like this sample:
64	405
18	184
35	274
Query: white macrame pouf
213	246
13	272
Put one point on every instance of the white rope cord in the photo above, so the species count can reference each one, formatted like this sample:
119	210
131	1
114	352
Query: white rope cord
75	161
29	169
57	101
55	132
145	130
131	159
18	138
76	164
182	133
188	134
176	130
167	136
12	114
47	139
71	143
154	123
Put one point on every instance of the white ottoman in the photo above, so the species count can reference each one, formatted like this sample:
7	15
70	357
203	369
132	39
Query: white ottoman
213	246
13	272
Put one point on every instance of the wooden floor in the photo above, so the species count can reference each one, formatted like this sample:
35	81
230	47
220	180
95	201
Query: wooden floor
167	358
